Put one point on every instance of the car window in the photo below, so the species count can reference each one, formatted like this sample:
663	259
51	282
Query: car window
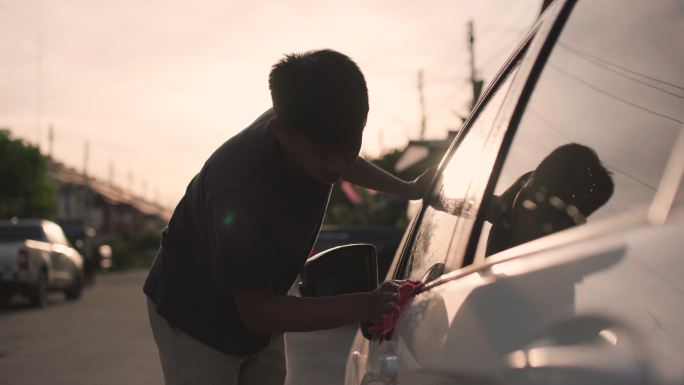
432	241
20	233
599	127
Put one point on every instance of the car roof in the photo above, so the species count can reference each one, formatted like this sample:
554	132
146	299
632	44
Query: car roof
24	222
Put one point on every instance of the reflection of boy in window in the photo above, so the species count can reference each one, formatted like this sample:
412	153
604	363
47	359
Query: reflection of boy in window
567	186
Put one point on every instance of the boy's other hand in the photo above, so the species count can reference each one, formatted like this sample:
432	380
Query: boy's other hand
380	301
420	185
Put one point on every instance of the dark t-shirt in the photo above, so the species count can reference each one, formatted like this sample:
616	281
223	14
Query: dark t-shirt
247	222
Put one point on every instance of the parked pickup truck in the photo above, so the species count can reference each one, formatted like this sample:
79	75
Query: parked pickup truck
35	257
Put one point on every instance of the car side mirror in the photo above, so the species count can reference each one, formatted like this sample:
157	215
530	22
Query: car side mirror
341	270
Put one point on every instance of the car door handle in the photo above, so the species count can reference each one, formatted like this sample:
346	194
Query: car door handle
435	271
388	367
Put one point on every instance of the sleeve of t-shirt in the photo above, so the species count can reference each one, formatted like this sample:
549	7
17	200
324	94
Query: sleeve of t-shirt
241	253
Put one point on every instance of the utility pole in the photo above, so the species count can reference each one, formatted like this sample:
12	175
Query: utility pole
130	182
421	95
474	81
51	140
86	158
143	195
111	172
39	73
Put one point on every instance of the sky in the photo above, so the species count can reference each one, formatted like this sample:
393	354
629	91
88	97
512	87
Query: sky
156	86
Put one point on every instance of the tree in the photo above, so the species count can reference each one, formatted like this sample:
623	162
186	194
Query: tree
25	188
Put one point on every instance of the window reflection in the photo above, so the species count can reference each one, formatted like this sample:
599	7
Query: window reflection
434	235
563	191
610	85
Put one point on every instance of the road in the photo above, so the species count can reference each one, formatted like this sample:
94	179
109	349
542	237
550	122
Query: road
104	338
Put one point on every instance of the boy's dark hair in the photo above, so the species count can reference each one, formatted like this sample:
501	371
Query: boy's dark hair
574	173
321	94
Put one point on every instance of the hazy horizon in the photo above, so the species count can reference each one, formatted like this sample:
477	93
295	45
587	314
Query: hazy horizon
155	87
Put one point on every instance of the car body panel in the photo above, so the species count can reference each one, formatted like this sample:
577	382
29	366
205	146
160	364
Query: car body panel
598	303
626	286
475	324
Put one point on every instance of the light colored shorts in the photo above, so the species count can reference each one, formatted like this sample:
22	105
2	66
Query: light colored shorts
186	361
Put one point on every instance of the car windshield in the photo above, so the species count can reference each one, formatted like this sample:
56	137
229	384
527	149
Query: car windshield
20	233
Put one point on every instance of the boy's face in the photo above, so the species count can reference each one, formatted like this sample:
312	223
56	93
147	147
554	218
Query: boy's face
325	164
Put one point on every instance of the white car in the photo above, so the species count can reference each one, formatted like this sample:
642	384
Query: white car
552	243
36	257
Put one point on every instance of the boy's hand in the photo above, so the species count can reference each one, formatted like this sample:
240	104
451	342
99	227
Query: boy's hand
420	185
379	301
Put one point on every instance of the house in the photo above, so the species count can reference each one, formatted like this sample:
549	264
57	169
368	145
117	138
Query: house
100	208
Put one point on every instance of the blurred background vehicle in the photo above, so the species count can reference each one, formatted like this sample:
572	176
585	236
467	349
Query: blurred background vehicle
81	238
36	257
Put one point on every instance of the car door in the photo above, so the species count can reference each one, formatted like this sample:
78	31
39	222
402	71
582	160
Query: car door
432	247
571	281
579	264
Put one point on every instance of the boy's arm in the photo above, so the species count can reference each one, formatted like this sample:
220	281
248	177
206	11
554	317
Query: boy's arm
263	312
366	174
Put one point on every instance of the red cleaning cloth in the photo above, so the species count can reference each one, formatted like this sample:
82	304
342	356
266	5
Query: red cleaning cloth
407	290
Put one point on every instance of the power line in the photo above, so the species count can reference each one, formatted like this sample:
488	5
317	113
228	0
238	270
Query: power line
618	98
608	68
549	124
496	54
421	97
518	32
588	55
570	140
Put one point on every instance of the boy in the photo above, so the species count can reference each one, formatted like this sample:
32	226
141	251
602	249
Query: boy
217	291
